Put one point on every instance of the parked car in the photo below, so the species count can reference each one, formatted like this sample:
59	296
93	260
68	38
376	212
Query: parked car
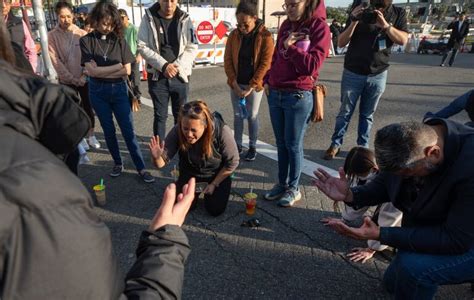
432	45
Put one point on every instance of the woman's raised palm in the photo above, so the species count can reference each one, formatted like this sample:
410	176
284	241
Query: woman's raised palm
156	147
335	188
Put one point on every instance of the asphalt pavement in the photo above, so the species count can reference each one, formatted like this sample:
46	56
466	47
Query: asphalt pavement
291	255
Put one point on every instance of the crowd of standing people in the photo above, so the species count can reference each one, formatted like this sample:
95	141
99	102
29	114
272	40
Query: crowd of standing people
98	70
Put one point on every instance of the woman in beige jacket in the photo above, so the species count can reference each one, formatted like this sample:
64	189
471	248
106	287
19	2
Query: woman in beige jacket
65	55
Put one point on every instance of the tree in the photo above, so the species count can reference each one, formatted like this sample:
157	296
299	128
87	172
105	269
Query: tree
337	13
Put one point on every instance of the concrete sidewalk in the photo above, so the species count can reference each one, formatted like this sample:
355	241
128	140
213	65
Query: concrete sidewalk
291	256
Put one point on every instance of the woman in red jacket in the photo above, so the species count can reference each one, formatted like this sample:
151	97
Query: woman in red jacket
302	44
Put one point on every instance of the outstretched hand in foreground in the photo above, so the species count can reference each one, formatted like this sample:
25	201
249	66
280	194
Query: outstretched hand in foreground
173	209
336	189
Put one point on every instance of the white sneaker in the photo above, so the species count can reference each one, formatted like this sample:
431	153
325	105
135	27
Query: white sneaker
93	142
84	144
84	159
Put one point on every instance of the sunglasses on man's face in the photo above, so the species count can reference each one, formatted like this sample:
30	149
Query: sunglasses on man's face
192	108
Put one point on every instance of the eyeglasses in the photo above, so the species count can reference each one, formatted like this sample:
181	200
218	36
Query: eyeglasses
244	25
291	5
192	108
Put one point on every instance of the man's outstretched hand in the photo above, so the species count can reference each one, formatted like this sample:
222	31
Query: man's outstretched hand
173	210
336	189
368	231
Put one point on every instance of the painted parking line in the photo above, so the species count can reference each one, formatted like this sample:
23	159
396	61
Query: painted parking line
268	150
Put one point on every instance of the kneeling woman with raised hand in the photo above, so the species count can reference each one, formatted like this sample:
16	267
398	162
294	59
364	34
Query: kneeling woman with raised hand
206	149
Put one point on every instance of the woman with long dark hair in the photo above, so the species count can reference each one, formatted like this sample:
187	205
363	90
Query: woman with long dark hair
107	58
207	152
302	43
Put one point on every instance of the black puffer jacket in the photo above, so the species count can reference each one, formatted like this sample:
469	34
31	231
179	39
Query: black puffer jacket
52	245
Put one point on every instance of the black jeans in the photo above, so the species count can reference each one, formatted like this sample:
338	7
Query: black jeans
161	91
72	160
85	101
216	203
454	52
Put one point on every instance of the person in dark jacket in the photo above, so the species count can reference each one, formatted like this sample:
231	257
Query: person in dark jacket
427	172
41	212
53	244
454	107
335	29
460	29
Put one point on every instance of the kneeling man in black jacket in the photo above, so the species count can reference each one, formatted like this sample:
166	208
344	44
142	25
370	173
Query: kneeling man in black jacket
427	171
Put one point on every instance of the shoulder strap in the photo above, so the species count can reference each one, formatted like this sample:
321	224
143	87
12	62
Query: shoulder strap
218	125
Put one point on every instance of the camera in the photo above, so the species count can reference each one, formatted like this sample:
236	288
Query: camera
369	16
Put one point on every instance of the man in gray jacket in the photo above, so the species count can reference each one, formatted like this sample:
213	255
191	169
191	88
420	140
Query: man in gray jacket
167	41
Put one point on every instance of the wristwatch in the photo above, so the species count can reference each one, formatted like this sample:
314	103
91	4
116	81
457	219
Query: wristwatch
216	185
388	27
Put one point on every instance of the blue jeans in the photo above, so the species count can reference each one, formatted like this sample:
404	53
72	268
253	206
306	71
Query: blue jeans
112	98
289	114
369	89
161	91
253	105
417	276
456	106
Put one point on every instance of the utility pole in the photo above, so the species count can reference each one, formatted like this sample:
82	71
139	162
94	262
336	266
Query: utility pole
141	8
263	11
38	10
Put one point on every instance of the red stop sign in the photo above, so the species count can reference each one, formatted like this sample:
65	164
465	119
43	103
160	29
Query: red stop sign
205	32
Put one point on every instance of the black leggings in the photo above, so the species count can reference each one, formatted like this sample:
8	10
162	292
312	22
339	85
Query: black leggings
216	203
85	101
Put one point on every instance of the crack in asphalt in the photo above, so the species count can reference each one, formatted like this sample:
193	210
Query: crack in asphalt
309	237
236	257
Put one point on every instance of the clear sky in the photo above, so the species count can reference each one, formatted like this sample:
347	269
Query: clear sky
345	3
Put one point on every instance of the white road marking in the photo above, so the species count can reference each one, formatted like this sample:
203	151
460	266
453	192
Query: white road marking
268	150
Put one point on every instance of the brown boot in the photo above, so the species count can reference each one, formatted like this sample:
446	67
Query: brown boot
331	153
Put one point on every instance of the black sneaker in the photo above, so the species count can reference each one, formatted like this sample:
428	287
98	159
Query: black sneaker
116	171
251	154
146	176
239	148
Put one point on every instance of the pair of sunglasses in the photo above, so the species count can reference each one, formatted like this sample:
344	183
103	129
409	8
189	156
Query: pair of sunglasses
192	108
254	222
